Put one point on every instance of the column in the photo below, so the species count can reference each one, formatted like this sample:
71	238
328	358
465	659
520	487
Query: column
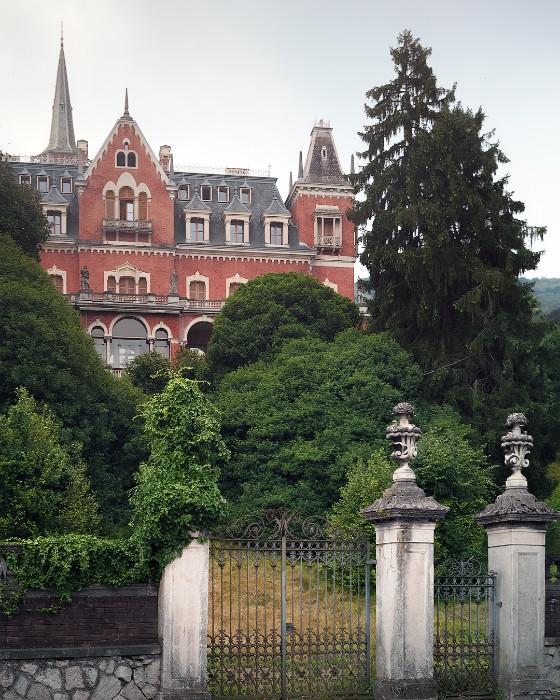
183	622
516	527
404	519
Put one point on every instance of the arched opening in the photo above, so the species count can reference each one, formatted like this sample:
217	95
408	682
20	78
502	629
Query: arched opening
161	342
98	335
199	335
129	341
126	204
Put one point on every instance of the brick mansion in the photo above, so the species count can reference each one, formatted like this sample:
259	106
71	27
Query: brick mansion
147	253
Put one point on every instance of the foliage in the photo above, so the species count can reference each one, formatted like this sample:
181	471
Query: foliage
547	291
176	496
149	372
452	468
21	215
256	320
366	482
296	421
45	350
176	492
43	484
442	230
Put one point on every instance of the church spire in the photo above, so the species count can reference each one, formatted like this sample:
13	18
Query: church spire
62	141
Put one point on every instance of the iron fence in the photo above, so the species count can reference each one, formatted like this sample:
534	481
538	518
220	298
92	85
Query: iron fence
464	624
289	610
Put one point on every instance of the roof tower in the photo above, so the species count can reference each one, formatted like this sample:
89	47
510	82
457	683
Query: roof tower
62	141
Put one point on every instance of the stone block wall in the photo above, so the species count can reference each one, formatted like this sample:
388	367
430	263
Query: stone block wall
86	678
552	610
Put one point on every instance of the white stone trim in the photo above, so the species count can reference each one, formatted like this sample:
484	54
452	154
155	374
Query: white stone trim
330	284
127	270
54	270
229	218
198	319
197	277
234	280
194	214
269	219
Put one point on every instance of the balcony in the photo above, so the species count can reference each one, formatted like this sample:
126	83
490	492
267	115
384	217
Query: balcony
329	242
121	231
166	303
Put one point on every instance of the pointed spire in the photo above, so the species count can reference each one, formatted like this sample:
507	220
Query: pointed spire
300	168
62	140
291	182
352	167
62	35
126	114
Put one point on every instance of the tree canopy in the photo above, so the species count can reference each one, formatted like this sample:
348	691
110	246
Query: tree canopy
445	247
21	215
295	422
43	484
45	350
270	309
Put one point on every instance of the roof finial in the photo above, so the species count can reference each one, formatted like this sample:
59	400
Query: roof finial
300	167
62	35
352	166
126	113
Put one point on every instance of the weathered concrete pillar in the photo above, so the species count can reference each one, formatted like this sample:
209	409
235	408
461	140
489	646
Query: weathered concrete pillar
183	622
404	519
516	526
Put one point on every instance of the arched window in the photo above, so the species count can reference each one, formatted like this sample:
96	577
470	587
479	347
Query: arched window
58	282
234	286
131	159
199	335
129	341
126	204
161	342
142	285
142	206
121	159
110	204
111	284
98	336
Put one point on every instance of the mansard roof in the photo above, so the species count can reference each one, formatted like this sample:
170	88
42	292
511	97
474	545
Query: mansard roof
322	164
276	208
195	204
54	196
236	206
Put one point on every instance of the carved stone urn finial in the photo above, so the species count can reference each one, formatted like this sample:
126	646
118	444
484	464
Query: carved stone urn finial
404	436
517	445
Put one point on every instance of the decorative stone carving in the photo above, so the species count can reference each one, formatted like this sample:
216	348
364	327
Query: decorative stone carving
404	499
516	445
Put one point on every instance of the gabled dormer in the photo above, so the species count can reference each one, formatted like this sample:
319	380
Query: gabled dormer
55	208
197	220
237	217
275	220
127	191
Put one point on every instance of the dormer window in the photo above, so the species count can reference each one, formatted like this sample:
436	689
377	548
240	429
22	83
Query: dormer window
42	183
25	179
236	231
276	233
245	195
55	222
197	230
223	194
66	185
183	193
206	193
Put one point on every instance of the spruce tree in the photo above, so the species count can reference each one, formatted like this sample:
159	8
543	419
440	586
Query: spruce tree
442	241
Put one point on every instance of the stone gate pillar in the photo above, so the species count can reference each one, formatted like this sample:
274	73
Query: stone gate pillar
516	526
183	623
404	519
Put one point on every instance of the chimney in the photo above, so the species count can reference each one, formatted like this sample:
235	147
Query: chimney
83	147
165	157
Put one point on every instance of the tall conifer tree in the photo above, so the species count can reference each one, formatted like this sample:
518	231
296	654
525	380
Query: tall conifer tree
442	241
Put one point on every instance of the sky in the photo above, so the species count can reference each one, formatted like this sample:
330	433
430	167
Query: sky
240	83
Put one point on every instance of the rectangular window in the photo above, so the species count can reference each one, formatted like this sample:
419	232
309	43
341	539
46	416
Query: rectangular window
126	285
197	290
206	193
276	231
42	183
245	195
183	193
223	194
142	285
58	282
197	230
236	232
55	221
66	185
25	179
111	284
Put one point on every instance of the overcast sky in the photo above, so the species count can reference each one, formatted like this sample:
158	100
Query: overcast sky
240	83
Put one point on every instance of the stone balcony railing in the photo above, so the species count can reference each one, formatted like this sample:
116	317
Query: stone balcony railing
329	242
173	301
121	225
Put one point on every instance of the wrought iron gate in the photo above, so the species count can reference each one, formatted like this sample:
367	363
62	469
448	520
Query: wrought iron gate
464	630
289	610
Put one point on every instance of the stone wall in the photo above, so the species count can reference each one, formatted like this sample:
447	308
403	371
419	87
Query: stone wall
82	678
552	610
552	663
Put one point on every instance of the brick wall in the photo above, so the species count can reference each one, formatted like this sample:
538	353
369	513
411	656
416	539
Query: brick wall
96	617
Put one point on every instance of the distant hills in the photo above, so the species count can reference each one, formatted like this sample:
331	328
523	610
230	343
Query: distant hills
547	291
